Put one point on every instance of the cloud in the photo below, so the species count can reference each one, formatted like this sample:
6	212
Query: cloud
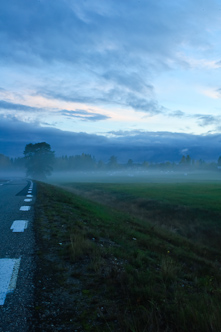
184	151
79	114
84	115
132	81
118	47
218	63
137	145
177	114
207	120
196	63
141	104
4	105
60	30
112	96
219	90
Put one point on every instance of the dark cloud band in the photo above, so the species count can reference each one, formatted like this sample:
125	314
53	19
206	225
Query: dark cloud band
138	145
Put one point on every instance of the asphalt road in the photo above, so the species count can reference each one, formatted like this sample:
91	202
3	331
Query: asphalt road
16	255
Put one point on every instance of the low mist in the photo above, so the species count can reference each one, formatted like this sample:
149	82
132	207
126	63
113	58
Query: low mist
134	176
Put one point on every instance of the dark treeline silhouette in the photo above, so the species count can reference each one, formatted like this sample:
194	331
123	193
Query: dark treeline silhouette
15	164
78	162
86	162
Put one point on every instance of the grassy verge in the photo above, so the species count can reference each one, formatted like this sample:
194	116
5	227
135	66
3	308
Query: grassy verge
101	269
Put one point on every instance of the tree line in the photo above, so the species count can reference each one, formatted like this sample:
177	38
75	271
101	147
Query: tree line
39	161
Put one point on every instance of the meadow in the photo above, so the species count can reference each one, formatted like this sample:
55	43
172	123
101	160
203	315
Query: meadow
130	256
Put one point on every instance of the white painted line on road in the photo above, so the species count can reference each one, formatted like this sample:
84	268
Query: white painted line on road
13	280
19	226
27	200
29	195
8	276
25	208
29	191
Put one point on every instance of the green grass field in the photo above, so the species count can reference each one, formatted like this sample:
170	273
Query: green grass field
132	257
196	195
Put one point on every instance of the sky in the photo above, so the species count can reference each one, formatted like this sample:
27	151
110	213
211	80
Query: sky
137	79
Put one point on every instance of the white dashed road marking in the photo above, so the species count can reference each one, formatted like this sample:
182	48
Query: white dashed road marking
8	276
27	200
19	226
29	195
25	208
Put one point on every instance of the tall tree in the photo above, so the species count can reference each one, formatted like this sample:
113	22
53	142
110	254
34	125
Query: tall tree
39	160
113	162
130	163
188	160
183	160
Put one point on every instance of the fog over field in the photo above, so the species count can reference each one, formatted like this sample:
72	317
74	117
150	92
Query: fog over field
134	177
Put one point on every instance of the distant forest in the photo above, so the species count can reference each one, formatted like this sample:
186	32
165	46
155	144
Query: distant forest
86	162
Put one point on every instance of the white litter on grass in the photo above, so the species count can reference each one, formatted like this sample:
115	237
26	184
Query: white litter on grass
19	226
27	200
8	276
25	208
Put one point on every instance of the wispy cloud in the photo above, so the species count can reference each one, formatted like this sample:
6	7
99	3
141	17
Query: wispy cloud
111	96
84	115
5	105
177	114
207	120
199	63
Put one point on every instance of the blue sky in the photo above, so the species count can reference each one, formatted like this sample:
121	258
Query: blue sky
115	73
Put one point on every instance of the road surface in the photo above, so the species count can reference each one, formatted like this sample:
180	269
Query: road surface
16	255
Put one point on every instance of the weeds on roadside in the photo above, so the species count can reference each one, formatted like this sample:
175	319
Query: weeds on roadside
79	246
